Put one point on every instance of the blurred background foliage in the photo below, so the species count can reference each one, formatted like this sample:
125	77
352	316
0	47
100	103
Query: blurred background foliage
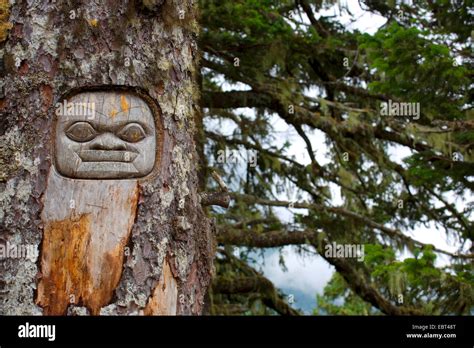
268	62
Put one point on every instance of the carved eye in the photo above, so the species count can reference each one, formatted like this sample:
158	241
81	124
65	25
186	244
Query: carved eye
132	133
81	132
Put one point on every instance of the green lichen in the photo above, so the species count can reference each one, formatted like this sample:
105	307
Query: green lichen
15	154
5	26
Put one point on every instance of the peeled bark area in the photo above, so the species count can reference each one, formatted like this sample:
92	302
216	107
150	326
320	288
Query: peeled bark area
87	224
106	256
164	300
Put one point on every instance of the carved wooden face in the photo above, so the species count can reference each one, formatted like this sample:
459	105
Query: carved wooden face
105	135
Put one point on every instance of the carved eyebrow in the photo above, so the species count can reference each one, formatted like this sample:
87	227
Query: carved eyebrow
118	125
121	124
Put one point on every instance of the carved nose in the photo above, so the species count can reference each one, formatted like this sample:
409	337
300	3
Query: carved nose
107	141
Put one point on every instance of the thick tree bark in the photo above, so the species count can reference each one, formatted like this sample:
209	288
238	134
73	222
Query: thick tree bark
164	243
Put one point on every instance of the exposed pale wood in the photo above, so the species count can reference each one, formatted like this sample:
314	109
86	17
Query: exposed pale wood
165	295
87	224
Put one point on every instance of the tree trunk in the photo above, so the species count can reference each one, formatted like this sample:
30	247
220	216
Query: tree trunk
115	214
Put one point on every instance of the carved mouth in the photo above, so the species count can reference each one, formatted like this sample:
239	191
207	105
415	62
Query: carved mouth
107	156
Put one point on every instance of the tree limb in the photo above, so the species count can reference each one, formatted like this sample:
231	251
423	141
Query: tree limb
393	233
356	281
257	284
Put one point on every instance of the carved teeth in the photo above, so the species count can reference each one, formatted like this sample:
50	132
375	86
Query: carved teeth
107	156
102	169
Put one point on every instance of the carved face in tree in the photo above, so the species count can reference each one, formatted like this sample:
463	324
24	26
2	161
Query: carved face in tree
105	135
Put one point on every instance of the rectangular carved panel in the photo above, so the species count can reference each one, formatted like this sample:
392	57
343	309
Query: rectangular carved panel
105	135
